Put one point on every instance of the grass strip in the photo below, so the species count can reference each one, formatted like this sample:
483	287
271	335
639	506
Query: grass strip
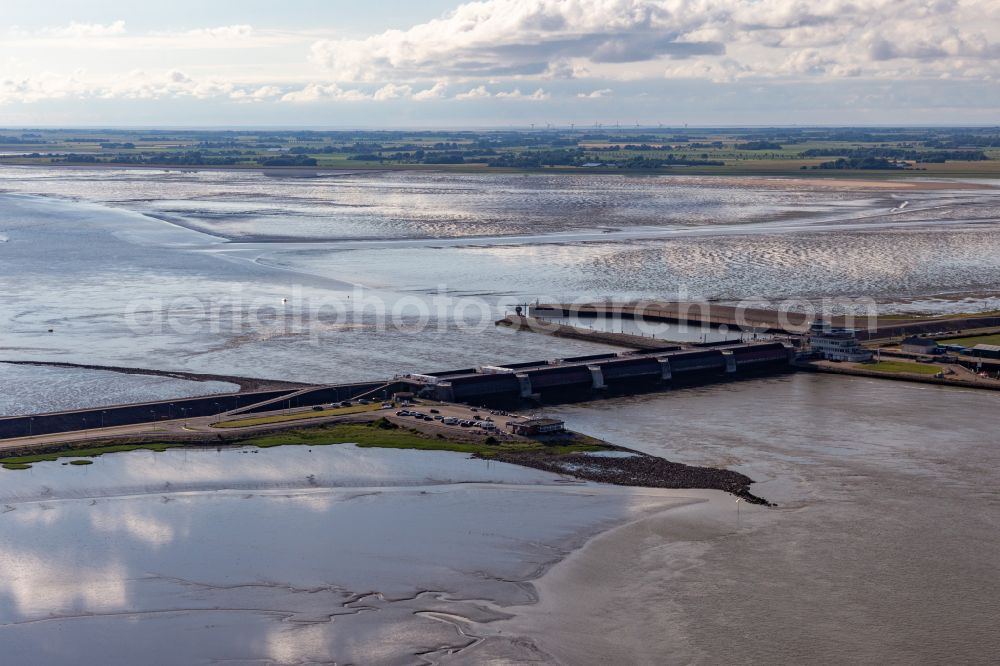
378	434
297	416
974	340
900	367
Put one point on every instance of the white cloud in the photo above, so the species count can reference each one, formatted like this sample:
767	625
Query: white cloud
436	91
172	84
135	85
509	37
225	32
83	30
537	96
578	49
478	92
614	39
261	94
392	91
316	92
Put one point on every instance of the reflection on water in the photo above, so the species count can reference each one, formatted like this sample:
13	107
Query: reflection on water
249	205
888	265
884	547
887	531
120	288
290	555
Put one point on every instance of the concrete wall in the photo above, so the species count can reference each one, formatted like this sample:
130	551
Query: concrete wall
480	386
628	369
146	412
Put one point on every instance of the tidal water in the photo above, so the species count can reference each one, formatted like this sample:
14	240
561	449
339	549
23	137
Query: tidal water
357	277
33	389
883	547
887	531
280	556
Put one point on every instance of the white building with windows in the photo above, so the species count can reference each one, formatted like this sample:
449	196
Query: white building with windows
837	344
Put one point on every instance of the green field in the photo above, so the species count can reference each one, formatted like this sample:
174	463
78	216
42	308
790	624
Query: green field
777	151
974	340
378	434
901	367
25	462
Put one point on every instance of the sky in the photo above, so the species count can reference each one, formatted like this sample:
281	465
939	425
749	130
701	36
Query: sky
499	63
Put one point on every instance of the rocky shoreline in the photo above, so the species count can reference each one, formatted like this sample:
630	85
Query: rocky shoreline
638	469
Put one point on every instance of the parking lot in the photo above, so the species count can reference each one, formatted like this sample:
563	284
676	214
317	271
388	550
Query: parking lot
449	418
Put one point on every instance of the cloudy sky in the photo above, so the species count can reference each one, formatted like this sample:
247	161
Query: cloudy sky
344	63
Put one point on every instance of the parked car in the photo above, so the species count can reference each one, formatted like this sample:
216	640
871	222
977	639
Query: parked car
435	411
345	403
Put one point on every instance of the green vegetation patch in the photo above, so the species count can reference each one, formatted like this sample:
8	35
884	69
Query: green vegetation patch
298	416
89	452
858	153
974	340
373	436
377	434
903	367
